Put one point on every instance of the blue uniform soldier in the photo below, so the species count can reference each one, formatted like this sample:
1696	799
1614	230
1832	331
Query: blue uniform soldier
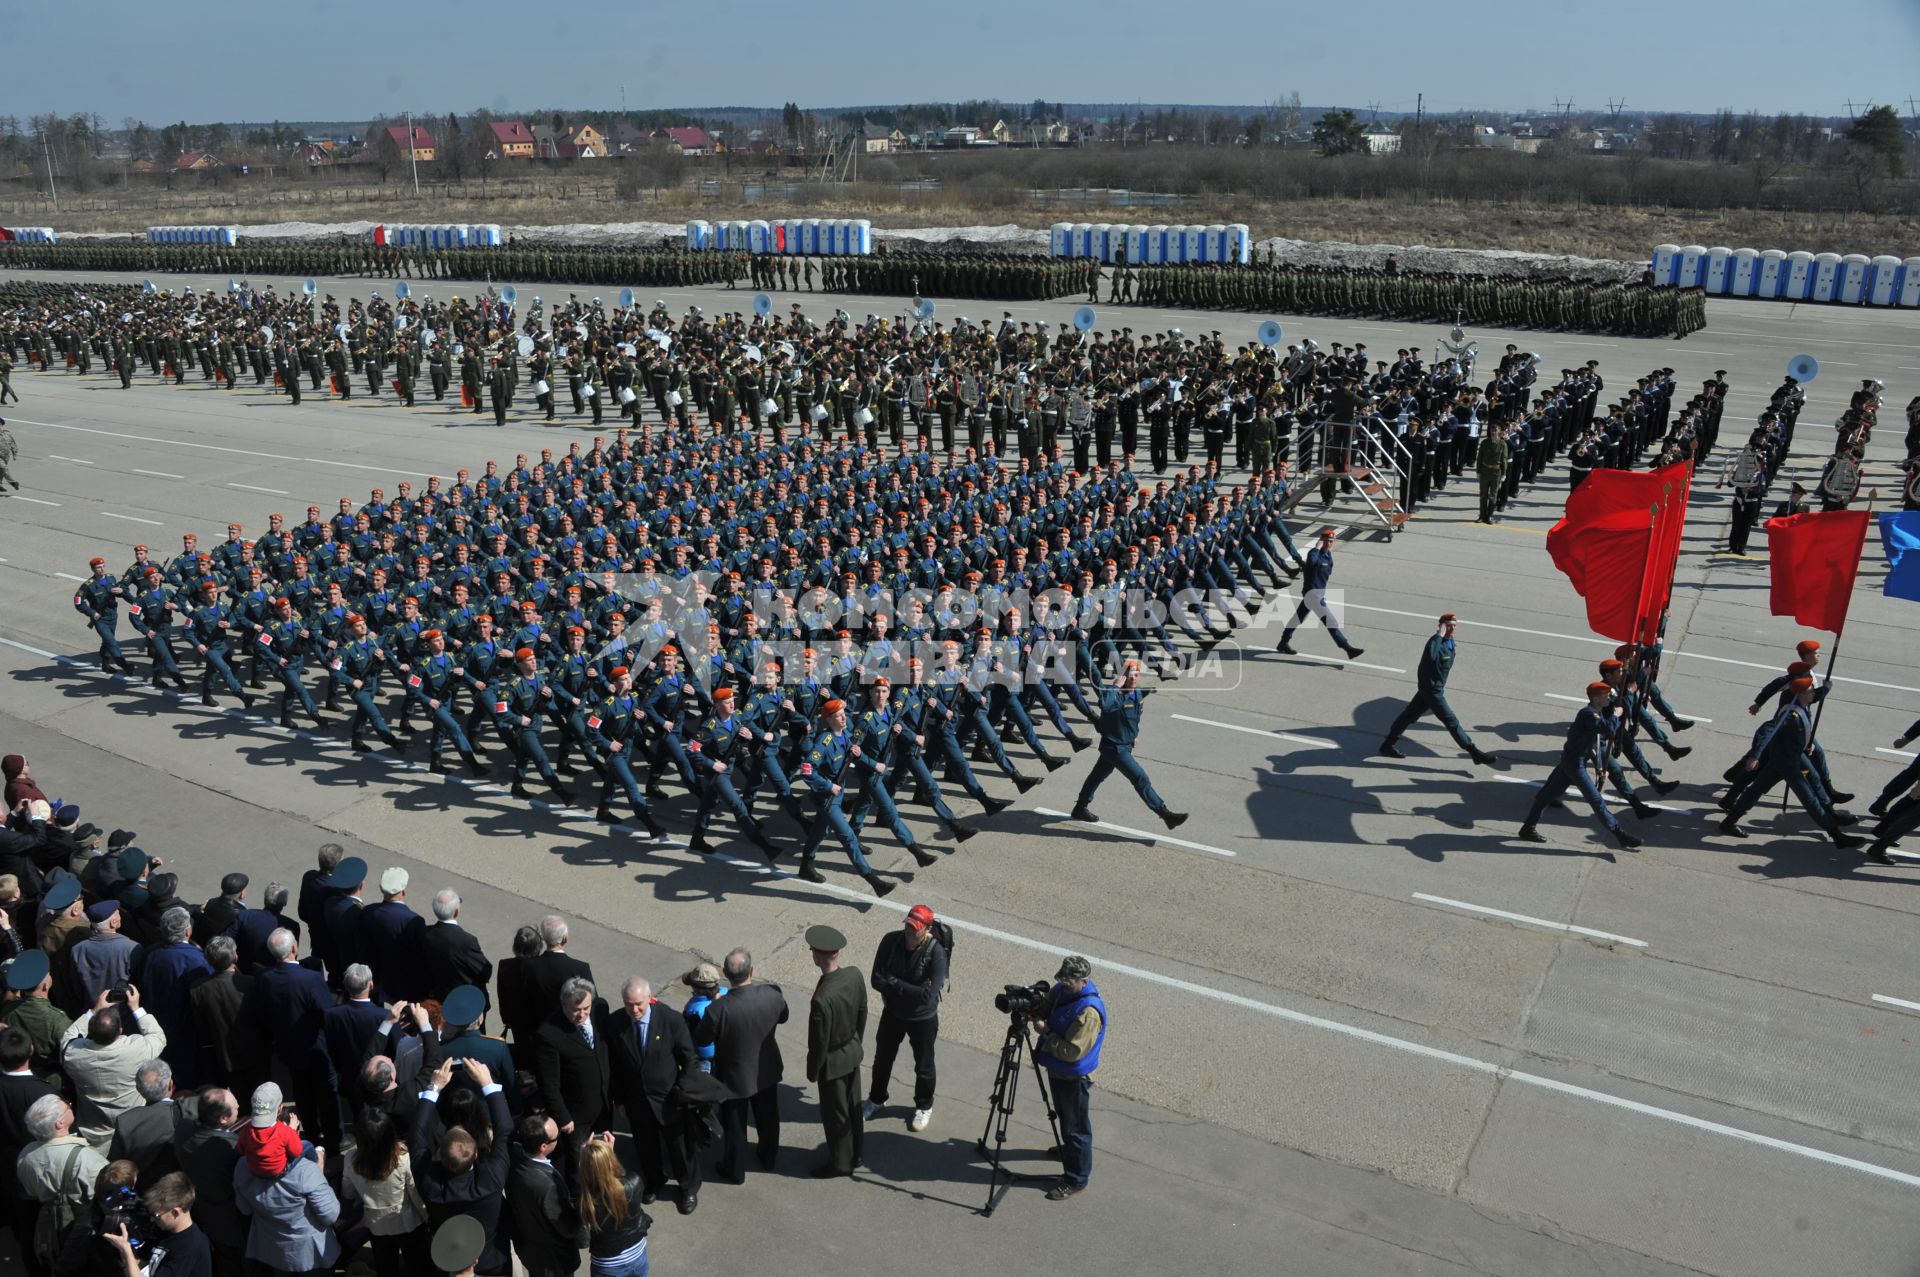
828	756
355	670
433	678
1784	755
520	697
1120	703
98	599
613	728
212	625
1317	571
283	642
1436	663
722	738
1582	760
878	731
150	607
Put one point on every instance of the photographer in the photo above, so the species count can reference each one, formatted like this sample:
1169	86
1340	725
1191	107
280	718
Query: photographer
909	972
1069	1050
173	1246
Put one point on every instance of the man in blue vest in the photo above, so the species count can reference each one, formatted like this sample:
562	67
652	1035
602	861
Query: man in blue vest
1069	1050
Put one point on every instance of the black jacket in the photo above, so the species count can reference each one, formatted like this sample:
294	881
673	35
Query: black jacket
452	956
644	1081
475	1191
746	1056
547	1233
576	1080
604	1242
909	981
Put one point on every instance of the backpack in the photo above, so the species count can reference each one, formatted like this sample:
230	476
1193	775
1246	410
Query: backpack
943	935
55	1221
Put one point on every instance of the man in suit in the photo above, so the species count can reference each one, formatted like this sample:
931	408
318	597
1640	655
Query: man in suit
220	915
747	1062
451	953
144	1136
390	938
214	1005
207	1151
350	1028
340	917
288	1003
314	893
453	1176
547	1232
571	1062
19	1088
253	926
650	1050
553	966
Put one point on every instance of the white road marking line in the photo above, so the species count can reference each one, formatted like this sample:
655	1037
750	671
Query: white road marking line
1141	834
1311	741
1897	753
68	576
159	474
1581	700
1760	665
1531	921
1902	1003
131	518
1678	811
354	465
1339	1028
54	456
15	496
254	487
1341	660
214	447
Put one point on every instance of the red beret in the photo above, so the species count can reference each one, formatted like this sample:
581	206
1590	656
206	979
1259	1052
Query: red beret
524	654
723	694
833	707
619	671
430	634
1599	687
96	562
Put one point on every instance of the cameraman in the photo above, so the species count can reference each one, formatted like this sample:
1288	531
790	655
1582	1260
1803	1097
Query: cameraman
1069	1050
173	1242
909	973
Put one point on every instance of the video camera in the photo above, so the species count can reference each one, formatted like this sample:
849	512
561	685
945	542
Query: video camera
1023	999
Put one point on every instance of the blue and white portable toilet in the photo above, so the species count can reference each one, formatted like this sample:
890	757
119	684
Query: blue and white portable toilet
1798	285
1693	264
1883	280
1853	278
1718	260
1773	273
1745	277
1240	243
1909	290
1826	277
1060	239
1666	263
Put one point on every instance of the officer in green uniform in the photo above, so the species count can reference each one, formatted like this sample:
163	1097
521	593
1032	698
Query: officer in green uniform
836	1029
29	1007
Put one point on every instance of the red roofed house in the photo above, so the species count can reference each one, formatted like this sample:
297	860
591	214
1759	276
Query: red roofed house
512	140
195	160
422	141
690	141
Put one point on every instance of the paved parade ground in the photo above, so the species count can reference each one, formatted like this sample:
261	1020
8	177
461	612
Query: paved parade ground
1358	1028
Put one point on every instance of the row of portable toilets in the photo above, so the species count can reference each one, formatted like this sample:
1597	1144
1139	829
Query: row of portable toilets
29	234
1851	279
1151	245
192	234
409	236
813	236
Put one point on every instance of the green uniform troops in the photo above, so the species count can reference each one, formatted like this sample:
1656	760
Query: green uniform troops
836	1043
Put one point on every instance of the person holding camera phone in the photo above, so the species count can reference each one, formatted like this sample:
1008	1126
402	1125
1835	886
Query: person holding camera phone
1075	1022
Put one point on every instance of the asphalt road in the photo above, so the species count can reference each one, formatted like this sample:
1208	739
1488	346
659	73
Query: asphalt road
1356	1023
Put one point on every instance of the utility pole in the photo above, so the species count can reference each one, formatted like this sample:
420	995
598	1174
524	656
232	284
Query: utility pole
1615	108
413	155
1419	110
52	194
1374	107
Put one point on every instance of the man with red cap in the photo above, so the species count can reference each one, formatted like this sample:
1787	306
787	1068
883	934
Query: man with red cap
519	700
1436	663
1120	703
150	607
1783	755
433	679
1582	761
909	974
613	728
1313	580
282	642
829	756
98	599
354	669
212	626
714	749
877	731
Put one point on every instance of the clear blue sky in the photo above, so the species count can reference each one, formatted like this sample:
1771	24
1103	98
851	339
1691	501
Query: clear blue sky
355	59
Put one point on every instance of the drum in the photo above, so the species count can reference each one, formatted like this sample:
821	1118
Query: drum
673	399
769	407
819	412
626	395
591	390
863	418
541	388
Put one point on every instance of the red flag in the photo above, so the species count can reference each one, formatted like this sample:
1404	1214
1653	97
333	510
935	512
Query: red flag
1814	559
1607	543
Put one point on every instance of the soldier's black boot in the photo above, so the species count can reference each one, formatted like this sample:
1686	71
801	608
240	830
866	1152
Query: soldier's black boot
921	857
960	832
1024	783
1082	812
474	766
1173	819
881	887
809	873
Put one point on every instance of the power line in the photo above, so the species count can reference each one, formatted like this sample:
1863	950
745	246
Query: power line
1615	108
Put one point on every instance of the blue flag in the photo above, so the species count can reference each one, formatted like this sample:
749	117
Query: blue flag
1900	538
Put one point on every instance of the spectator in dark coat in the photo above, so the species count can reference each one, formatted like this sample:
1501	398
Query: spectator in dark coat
453	955
453	1176
391	938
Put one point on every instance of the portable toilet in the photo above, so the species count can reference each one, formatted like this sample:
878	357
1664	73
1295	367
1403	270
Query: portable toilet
1693	264
1136	245
1100	241
696	235
862	236
1826	277
1909	290
1194	238
1772	277
1179	247
1853	277
1666	263
1240	243
1718	260
842	237
1799	280
1154	245
1745	275
1214	247
1883	280
757	238
1060	239
806	235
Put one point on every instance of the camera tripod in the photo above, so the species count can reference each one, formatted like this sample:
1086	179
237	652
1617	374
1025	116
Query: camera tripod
1006	1085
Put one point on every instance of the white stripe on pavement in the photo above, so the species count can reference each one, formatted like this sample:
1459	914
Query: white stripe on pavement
1530	921
68	576
1897	753
54	456
158	474
1142	834
1902	1003
254	487
1310	741
131	518
214	447
1339	1028
1340	660
15	496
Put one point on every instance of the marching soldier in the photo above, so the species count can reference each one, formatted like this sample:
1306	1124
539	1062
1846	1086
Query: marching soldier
1120	704
1436	663
1582	761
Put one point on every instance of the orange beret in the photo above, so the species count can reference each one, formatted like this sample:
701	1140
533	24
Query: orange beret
1798	668
1447	616
833	707
524	654
96	562
1608	665
1599	687
430	634
619	671
723	694
1807	646
1799	685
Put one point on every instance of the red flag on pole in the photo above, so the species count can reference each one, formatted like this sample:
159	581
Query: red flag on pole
1622	528
1815	558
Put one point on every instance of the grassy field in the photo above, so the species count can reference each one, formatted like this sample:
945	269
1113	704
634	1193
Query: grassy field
545	198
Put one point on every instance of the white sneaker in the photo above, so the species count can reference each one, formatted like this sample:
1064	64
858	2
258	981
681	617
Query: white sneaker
867	1109
921	1118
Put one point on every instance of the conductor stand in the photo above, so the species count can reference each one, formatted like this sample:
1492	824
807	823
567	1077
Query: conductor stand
1006	1085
